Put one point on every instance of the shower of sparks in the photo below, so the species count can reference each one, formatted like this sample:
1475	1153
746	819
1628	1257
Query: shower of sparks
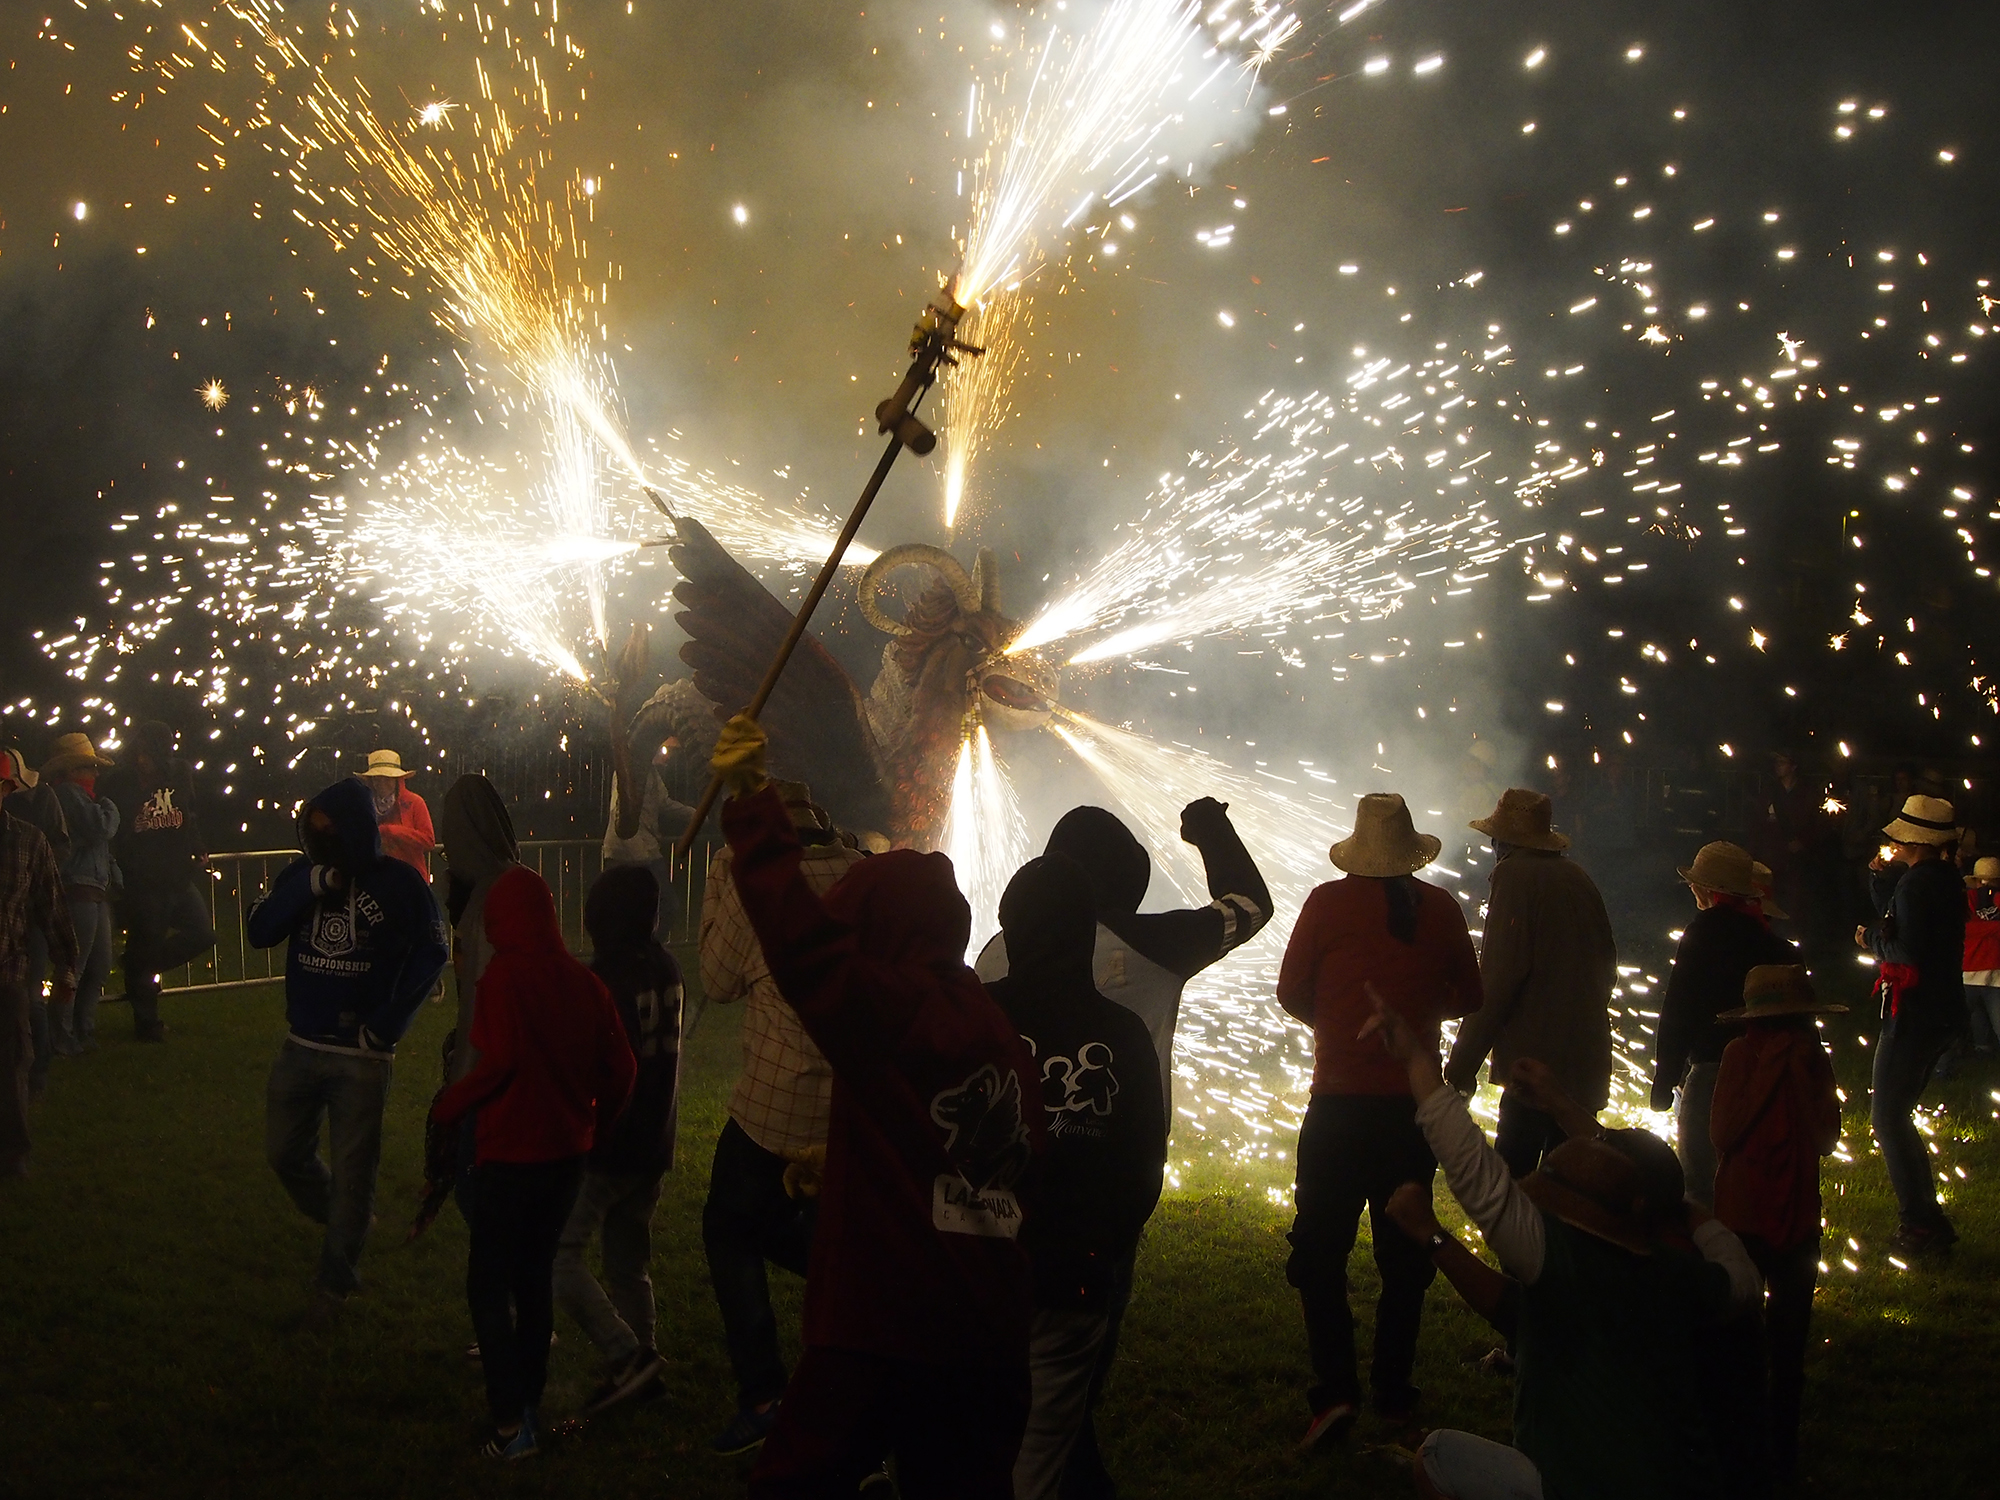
212	394
984	833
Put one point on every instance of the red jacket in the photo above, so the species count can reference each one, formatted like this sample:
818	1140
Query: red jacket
1982	931
1776	1113
916	1254
554	1066
1341	944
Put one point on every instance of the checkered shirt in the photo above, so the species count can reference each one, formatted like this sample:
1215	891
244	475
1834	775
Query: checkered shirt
31	895
784	1097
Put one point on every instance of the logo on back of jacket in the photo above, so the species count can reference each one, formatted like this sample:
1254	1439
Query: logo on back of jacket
1077	1091
987	1142
157	812
341	935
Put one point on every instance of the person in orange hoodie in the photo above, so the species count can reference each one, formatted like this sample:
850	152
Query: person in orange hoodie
554	1070
1776	1113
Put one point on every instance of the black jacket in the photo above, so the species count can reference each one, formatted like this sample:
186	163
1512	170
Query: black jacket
1923	925
1107	1132
1718	949
645	984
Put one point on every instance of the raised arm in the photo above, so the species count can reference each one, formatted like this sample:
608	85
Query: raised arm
1494	1296
1187	941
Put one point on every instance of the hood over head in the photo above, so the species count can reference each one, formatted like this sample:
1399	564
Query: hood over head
521	915
622	907
1049	918
906	907
1117	864
355	843
477	832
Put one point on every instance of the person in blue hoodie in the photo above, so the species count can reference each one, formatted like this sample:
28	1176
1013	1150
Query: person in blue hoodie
366	945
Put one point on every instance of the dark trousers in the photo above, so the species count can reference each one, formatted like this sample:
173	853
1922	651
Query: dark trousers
165	926
1354	1151
1524	1136
1789	1279
1905	1054
518	1213
17	1056
749	1219
1084	1476
953	1429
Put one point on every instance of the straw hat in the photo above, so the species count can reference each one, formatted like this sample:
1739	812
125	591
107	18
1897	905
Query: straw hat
14	768
1594	1187
1779	990
1522	818
1730	869
1985	871
1384	841
386	763
73	751
1925	820
798	800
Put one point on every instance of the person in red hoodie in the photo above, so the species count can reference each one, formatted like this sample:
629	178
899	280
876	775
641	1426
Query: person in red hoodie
918	1297
403	816
1982	954
1776	1113
554	1069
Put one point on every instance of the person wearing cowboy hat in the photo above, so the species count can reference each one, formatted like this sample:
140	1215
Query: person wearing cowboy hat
1919	945
1729	935
1379	929
403	816
30	901
1547	963
87	869
1612	1314
1776	1113
1981	965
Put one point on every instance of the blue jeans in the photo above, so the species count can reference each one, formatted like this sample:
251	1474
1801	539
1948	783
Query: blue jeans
748	1220
76	1027
349	1093
1904	1057
1982	1004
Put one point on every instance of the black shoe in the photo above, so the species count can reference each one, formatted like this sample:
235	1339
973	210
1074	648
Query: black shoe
1497	1362
151	1031
627	1379
1925	1239
746	1430
1398	1406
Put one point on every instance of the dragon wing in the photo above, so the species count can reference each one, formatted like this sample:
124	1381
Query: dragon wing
817	723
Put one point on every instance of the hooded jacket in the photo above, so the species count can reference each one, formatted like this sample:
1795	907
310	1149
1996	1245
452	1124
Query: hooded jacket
479	845
406	831
1143	960
916	1255
1100	1090
554	1069
645	985
362	956
159	840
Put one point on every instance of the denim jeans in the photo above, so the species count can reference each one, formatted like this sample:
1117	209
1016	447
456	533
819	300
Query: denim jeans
617	1316
1982	1004
165	927
1354	1151
750	1219
1905	1054
75	1026
1692	1107
349	1094
518	1213
1063	1351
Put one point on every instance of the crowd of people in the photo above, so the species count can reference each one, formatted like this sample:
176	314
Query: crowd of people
968	1256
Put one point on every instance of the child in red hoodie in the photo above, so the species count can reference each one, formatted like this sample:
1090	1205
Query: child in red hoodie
918	1299
1776	1113
554	1069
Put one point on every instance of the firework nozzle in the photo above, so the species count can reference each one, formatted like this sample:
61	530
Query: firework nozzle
934	344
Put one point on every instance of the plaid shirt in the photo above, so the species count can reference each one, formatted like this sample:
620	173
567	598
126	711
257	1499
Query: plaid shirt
31	896
784	1098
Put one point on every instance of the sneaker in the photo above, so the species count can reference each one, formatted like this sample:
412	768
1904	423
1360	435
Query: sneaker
517	1445
879	1485
625	1380
1497	1362
1925	1239
1331	1422
746	1430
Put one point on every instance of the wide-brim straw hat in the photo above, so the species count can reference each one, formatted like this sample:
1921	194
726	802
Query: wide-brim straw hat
14	767
1925	820
1582	1182
72	752
1985	871
1384	841
1523	818
1734	871
1779	990
798	800
386	763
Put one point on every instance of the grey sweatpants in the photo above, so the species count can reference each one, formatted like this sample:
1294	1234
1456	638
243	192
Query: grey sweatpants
619	1322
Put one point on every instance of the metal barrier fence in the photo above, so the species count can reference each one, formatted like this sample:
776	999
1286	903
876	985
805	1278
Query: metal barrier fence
237	880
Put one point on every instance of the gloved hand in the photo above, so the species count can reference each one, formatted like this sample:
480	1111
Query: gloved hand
739	756
1202	819
1663	1096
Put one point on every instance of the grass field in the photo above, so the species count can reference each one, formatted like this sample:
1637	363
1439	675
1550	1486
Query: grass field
152	1267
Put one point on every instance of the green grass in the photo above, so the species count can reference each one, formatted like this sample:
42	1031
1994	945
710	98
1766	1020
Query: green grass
153	1265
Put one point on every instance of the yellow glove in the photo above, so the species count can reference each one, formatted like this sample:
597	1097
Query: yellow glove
739	756
803	1172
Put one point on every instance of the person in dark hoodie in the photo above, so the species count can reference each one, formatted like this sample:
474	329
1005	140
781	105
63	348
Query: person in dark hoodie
554	1071
365	944
1107	1130
1143	961
621	1181
159	850
918	1301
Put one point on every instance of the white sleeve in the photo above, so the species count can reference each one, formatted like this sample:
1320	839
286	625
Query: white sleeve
1719	1244
1481	1183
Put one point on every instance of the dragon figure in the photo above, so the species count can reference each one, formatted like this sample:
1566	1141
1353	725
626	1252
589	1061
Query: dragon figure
885	762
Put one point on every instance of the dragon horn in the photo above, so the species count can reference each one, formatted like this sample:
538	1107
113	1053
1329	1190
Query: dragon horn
986	581
909	555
